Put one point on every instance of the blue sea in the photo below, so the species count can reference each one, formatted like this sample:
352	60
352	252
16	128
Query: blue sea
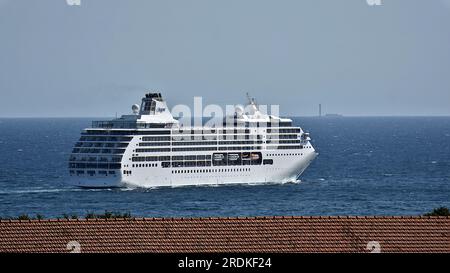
366	166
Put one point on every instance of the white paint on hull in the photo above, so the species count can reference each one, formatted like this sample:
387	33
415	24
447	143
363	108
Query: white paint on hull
286	169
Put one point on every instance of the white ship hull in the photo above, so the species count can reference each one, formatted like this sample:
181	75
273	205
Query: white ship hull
284	170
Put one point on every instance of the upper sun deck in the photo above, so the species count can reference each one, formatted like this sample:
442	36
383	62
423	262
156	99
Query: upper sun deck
245	123
154	114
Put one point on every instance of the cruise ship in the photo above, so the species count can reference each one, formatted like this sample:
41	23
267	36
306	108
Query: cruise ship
149	148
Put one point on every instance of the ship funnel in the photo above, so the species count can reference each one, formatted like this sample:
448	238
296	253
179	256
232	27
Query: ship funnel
150	102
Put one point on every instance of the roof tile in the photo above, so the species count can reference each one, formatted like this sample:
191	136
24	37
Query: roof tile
233	234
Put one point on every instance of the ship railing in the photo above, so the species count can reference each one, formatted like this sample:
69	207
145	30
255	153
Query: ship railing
114	124
127	125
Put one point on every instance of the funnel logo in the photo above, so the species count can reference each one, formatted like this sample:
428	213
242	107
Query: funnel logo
374	2
73	2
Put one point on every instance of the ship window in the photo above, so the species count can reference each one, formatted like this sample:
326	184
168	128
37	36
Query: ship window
165	164
190	157
268	161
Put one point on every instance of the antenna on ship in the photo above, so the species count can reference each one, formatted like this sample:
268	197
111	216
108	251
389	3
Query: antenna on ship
251	100
248	97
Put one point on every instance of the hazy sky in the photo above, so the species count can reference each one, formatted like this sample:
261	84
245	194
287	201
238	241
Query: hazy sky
99	58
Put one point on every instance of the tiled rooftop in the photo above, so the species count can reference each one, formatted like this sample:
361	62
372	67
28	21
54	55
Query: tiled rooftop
252	234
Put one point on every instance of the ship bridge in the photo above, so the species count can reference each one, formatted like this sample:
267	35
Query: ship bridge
152	113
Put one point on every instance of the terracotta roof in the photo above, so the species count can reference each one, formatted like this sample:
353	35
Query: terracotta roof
256	234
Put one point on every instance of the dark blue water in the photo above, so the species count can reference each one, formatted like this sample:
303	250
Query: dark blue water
366	166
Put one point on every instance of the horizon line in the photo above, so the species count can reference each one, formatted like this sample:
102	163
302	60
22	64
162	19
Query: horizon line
289	116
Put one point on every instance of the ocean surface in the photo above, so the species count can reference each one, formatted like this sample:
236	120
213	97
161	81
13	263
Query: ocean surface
366	166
